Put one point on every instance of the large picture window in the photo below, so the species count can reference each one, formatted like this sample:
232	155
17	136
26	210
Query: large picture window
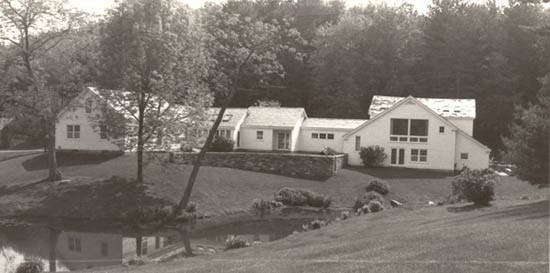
399	127
419	127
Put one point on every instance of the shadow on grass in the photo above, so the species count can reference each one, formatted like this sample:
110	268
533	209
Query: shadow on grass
530	211
87	199
16	155
396	173
40	162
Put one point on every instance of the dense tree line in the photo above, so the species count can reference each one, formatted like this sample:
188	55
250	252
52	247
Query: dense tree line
320	55
457	50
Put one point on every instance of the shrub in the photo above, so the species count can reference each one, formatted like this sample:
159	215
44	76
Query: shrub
233	242
301	197
375	206
317	224
373	156
265	206
328	151
363	210
378	186
475	186
33	265
186	148
366	198
221	144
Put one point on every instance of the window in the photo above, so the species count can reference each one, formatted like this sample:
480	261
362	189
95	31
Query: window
144	246
224	133
399	127
103	132
463	155
323	136
442	129
88	106
73	131
104	249
260	135
74	244
357	143
315	135
330	136
419	127
419	155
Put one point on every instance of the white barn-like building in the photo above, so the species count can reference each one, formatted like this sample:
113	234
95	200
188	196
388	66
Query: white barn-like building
421	133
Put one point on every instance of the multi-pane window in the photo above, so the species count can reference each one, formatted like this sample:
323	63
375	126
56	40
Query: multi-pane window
322	136
73	131
74	244
224	133
419	155
260	135
357	143
463	155
103	132
442	129
404	130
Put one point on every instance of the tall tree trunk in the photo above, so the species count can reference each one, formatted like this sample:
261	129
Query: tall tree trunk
139	177
54	173
197	165
52	259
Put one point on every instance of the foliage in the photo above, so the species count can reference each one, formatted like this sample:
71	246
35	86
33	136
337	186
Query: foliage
233	242
221	144
375	206
373	156
528	144
33	265
475	186
378	186
317	224
263	206
267	103
363	200
302	197
153	50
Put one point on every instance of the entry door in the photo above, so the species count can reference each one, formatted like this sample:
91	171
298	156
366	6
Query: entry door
397	156
283	141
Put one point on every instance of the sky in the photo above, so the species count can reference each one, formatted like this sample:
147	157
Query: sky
98	6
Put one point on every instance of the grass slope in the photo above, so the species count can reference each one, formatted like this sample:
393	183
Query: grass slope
511	238
217	190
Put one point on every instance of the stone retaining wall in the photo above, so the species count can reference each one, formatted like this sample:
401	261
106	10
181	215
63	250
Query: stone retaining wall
293	164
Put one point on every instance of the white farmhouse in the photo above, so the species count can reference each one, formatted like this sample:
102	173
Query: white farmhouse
420	133
423	133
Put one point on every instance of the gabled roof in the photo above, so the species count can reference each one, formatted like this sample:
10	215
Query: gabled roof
449	108
273	116
329	123
231	117
419	103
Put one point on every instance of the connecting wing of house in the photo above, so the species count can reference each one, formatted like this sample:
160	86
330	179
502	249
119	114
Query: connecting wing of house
426	133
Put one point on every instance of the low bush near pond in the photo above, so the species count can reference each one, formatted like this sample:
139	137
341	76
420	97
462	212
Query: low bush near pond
265	206
475	186
375	206
366	198
301	197
234	242
378	186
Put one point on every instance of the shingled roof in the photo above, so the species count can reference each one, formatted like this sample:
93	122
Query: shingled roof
273	116
330	123
449	108
231	117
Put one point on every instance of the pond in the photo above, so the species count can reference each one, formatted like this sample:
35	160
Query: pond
69	248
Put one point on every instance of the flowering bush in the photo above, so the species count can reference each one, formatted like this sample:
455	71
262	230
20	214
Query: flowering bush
366	199
475	186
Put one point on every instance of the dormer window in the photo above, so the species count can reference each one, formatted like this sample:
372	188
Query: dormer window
227	117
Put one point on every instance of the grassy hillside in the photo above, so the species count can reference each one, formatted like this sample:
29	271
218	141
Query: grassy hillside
509	238
217	190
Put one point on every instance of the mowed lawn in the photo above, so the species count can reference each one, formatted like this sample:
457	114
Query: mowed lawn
512	238
221	190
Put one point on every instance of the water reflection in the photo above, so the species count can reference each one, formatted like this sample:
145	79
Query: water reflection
68	249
